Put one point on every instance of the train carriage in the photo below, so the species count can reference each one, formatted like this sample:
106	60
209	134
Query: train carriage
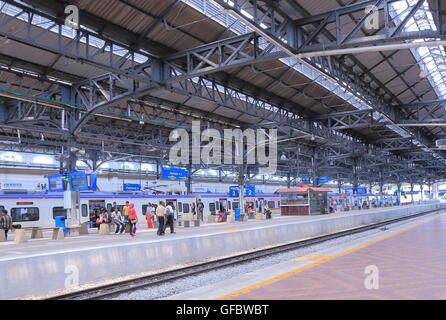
39	210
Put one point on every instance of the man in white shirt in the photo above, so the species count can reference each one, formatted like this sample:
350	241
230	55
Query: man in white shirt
118	219
169	216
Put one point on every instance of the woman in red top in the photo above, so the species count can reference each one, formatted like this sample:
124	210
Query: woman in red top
133	219
149	216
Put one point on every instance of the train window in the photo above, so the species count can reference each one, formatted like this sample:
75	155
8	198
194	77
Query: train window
235	205
271	204
229	205
278	204
144	209
84	210
2	208
180	207
217	205
109	207
212	207
59	211
185	207
25	214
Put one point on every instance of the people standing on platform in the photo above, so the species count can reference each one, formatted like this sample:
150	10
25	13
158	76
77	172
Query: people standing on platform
169	217
5	222
193	210
125	210
267	210
200	207
161	214
118	219
149	214
133	218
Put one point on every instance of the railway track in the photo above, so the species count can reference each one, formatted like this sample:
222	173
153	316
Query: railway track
163	277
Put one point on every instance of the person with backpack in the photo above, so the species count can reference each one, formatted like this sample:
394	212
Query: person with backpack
169	217
5	222
133	218
118	219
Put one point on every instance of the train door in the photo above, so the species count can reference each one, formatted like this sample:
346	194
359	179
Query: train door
95	205
174	202
223	205
261	205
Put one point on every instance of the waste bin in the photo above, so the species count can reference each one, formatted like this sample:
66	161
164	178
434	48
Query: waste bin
60	223
237	214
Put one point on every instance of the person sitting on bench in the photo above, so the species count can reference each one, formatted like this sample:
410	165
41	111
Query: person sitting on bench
5	222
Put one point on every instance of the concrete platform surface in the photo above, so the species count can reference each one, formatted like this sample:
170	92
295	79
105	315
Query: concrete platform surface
46	246
406	262
46	267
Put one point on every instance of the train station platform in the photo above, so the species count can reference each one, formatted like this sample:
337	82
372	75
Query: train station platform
41	268
406	262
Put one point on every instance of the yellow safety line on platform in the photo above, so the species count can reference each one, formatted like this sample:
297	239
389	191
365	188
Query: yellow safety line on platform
318	261
230	231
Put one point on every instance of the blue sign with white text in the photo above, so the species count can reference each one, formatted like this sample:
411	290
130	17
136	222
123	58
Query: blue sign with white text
131	187
306	180
322	180
233	191
174	174
250	190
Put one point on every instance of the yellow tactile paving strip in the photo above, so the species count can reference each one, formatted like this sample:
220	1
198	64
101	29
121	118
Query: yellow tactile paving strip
410	263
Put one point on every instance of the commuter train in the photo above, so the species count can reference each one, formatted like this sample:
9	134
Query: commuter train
39	210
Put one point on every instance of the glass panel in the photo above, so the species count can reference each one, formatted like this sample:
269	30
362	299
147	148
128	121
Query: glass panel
84	210
293	199
24	214
59	211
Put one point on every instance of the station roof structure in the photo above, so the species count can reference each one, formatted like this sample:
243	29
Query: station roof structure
356	97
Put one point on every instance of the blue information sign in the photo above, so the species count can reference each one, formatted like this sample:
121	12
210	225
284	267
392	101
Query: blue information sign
306	180
322	180
233	191
250	190
174	174
350	191
131	187
56	183
78	181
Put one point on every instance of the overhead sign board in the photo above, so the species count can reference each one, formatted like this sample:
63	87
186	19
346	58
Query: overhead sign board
56	183
78	181
233	191
174	174
322	180
131	187
250	190
306	180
